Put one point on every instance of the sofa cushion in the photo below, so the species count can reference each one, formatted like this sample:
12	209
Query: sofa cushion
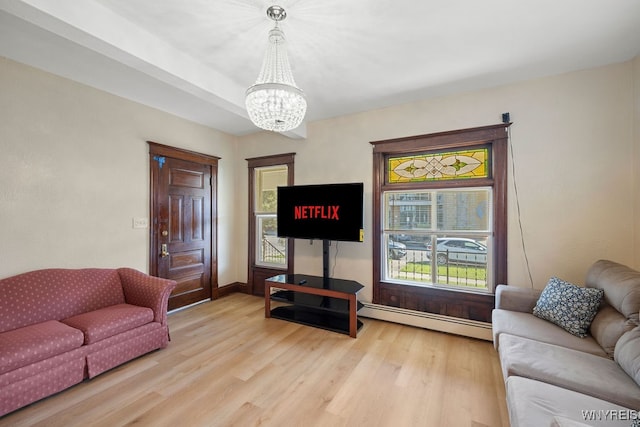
567	422
627	354
112	351
528	326
569	306
570	369
55	294
608	326
621	286
106	322
33	343
534	404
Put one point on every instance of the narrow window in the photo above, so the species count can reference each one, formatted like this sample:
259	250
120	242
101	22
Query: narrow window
270	250
269	255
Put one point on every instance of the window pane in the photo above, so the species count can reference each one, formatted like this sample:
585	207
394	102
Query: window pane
461	261
271	249
451	252
464	210
267	181
455	261
465	164
408	210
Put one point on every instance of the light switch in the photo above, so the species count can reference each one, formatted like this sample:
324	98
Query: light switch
140	223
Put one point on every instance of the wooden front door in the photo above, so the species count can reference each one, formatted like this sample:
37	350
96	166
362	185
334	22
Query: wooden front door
183	221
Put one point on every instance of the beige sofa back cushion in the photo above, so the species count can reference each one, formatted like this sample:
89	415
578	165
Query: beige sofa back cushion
55	294
621	286
608	326
627	354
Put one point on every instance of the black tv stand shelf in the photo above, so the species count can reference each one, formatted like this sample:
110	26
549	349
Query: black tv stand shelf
325	303
314	301
312	317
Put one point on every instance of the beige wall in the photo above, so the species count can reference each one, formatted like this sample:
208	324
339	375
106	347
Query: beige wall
74	172
636	159
572	136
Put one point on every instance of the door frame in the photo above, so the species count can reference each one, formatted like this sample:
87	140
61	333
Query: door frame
161	150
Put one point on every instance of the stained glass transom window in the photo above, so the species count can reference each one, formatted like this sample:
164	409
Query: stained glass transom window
441	166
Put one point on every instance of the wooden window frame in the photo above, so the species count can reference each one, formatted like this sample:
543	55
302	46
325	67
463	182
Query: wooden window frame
257	273
450	302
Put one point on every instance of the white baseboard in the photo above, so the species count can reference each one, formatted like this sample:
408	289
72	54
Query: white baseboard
436	322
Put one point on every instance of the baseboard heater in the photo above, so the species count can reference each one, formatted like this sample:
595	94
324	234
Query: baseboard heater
436	322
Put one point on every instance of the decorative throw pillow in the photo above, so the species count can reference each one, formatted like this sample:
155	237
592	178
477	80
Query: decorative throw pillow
569	306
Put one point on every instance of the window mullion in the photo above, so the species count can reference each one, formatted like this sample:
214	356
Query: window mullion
434	241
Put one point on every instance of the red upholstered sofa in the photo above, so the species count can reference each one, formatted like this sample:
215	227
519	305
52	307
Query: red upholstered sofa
61	326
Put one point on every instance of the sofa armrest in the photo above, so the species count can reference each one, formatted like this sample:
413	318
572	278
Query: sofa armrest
147	291
515	298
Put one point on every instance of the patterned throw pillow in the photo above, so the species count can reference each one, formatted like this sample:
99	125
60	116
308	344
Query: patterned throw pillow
569	306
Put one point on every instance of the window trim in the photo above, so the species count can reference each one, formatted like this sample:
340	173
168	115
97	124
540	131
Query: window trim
257	273
454	302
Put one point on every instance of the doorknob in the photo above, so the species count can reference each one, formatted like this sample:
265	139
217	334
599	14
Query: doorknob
163	250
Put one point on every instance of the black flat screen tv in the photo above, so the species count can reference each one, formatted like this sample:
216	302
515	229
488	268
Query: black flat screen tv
322	212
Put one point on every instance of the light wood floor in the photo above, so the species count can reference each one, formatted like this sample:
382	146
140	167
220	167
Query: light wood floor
229	366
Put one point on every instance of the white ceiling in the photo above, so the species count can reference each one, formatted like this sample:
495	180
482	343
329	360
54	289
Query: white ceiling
195	58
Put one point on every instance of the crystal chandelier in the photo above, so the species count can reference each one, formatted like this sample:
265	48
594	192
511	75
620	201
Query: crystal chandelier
274	102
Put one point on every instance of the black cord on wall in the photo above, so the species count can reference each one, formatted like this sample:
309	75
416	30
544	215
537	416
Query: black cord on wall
335	261
506	117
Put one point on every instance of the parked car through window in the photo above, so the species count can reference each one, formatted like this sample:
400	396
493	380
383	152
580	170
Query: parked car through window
459	250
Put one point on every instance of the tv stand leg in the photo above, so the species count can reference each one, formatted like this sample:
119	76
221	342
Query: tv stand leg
267	299
353	316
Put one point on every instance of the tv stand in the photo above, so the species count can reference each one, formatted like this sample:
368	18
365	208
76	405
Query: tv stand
325	303
325	258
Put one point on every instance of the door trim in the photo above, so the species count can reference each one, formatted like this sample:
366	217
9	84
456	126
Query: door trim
156	149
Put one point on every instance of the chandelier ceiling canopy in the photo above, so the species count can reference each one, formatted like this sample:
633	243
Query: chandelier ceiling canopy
274	102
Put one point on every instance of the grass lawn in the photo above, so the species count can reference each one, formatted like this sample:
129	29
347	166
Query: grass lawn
452	274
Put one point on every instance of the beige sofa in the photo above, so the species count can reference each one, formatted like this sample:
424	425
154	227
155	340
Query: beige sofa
555	378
